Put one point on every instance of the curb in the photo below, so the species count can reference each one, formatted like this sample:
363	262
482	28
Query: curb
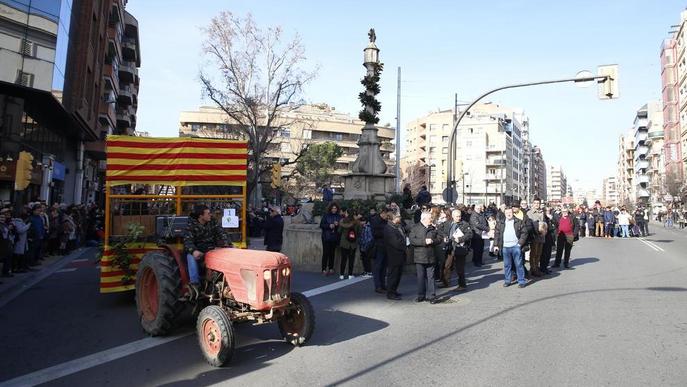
15	290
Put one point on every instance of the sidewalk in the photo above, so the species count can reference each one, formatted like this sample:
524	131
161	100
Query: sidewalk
653	225
14	286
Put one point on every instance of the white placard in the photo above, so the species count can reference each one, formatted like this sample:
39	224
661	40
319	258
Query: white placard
230	220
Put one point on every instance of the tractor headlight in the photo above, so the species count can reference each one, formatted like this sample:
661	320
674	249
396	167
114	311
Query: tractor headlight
267	275
288	272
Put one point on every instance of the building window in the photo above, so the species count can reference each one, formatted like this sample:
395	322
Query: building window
338	136
444	139
432	149
444	150
432	139
285	132
285	147
195	127
432	127
307	134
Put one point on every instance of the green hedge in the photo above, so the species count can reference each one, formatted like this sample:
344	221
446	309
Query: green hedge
360	206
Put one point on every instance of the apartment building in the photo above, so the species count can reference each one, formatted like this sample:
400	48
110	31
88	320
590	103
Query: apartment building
557	185
489	160
681	63
610	191
672	148
625	175
307	124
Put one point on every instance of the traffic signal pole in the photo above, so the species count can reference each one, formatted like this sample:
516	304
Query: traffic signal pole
450	178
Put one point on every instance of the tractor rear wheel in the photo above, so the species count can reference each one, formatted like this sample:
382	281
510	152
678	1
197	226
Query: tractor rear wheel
215	335
158	284
298	323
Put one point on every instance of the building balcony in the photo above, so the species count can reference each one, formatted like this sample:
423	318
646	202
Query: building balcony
123	119
129	49
127	72
643	193
491	176
640	151
496	162
124	97
642	164
657	135
642	179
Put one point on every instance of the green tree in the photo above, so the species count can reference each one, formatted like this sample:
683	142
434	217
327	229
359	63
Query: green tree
317	162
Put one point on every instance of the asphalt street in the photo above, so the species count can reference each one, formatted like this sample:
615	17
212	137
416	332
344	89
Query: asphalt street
617	317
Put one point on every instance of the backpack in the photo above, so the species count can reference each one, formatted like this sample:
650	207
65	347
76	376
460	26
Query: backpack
351	235
366	239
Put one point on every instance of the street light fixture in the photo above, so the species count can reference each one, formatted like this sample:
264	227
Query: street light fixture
608	89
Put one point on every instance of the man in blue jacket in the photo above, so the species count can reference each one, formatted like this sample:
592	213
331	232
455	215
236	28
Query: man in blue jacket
609	220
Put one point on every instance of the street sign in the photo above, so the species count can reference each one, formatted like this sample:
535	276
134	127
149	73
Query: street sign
447	192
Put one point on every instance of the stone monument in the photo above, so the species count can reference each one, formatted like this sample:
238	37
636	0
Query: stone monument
369	178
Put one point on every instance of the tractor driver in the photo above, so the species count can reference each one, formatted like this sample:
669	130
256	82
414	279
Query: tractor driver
204	234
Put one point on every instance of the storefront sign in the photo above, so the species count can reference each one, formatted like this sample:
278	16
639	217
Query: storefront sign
58	171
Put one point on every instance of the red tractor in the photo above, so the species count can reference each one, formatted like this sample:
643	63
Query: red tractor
238	286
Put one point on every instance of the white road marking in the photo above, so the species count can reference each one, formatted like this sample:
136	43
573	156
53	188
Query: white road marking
67	270
651	245
77	365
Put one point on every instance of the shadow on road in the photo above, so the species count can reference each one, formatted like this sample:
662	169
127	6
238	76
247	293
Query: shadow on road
667	289
256	356
439	339
583	261
661	240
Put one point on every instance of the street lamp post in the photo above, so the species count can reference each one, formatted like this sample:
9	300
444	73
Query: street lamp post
602	79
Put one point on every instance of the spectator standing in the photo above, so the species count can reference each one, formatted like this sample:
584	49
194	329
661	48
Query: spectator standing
539	229
366	244
21	228
609	221
599	214
423	197
624	223
274	230
549	240
565	236
330	237
460	236
395	241
511	236
6	242
639	215
36	235
327	194
441	249
349	229
480	227
423	237
378	222
407	197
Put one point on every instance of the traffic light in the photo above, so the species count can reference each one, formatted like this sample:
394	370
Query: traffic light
22	177
276	175
608	88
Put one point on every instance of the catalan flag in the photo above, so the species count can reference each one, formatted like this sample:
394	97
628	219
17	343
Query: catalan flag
175	161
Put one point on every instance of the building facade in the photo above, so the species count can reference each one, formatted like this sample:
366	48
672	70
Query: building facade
610	191
557	185
537	175
308	124
681	64
490	154
625	175
55	94
672	151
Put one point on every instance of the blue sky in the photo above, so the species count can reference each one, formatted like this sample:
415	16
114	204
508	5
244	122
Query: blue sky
443	47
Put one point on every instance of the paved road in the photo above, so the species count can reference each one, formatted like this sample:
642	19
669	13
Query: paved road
618	317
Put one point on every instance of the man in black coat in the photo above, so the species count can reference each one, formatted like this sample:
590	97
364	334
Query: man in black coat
479	225
423	237
395	243
460	235
640	221
274	230
378	223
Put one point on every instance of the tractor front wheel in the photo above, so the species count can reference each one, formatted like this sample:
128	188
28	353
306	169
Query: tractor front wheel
157	292
215	335
298	323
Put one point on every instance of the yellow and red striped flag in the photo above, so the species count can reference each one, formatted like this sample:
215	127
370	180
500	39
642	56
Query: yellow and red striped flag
175	161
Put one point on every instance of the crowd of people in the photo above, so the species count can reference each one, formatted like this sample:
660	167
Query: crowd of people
439	239
33	232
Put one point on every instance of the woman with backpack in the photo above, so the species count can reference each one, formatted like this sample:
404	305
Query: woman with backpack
349	229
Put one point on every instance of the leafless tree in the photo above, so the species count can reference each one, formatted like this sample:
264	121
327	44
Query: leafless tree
256	76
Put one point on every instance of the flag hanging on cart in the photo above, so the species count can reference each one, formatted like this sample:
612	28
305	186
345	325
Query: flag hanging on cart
175	161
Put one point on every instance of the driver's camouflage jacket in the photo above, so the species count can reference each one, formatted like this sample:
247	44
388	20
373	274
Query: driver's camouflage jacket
204	237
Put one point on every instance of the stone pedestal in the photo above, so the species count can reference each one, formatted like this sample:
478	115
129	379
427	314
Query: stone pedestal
366	186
